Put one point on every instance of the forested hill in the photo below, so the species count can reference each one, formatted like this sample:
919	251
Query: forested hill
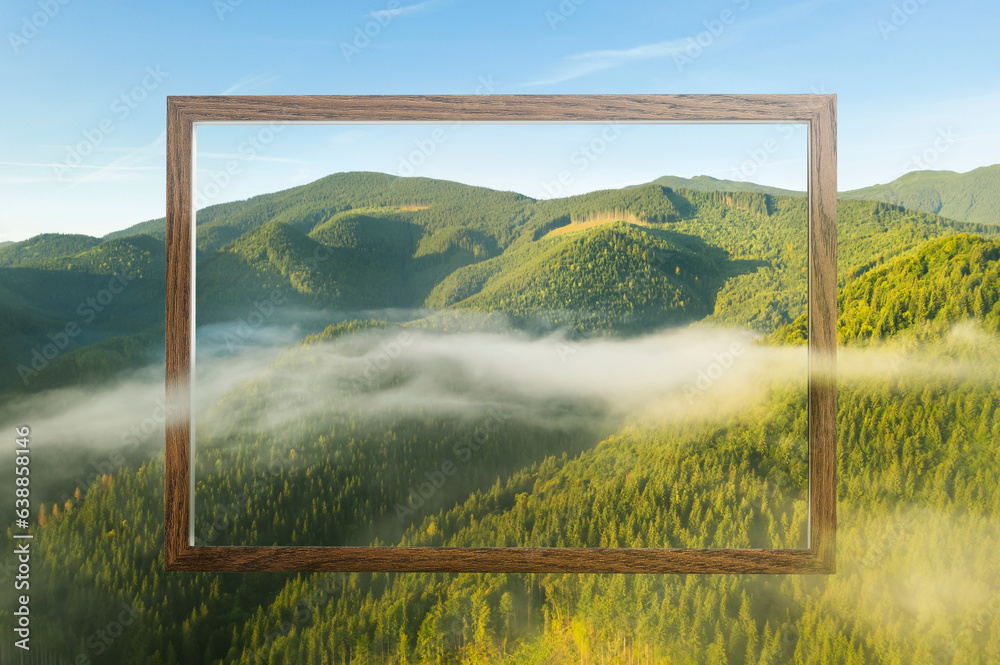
704	183
296	458
496	213
623	261
944	283
42	247
918	481
920	296
972	196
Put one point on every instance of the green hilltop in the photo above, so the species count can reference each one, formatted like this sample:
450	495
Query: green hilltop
946	282
612	262
44	246
971	197
917	467
705	183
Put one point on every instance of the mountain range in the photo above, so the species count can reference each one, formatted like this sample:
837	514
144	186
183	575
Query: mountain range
968	197
302	451
971	197
631	259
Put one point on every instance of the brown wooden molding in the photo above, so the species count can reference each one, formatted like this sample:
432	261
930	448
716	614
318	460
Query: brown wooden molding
818	111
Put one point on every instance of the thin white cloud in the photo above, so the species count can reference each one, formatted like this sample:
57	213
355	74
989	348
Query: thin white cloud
23	179
735	173
110	173
96	148
417	8
255	158
129	163
657	50
582	64
51	165
265	76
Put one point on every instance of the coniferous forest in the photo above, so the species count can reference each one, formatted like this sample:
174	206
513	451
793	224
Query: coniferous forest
404	361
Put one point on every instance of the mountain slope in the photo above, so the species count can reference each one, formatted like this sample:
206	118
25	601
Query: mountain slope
968	197
43	247
493	212
616	277
943	283
973	196
277	257
918	480
357	241
705	183
52	308
918	473
922	294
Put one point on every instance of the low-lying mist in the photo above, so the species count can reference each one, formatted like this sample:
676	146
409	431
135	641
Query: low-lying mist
407	370
676	374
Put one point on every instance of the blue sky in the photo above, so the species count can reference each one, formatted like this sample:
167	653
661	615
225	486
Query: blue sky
81	149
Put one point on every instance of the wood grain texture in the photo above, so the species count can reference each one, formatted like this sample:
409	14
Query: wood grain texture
177	499
502	108
823	333
497	559
819	111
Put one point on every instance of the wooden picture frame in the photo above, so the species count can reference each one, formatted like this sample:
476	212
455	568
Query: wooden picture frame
817	111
